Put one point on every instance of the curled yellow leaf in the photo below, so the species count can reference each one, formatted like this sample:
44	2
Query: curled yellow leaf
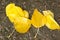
50	22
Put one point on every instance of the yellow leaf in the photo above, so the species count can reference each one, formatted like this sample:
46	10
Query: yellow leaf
22	24
37	19
50	22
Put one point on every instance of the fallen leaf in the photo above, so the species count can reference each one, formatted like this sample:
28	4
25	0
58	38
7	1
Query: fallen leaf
37	19
50	22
